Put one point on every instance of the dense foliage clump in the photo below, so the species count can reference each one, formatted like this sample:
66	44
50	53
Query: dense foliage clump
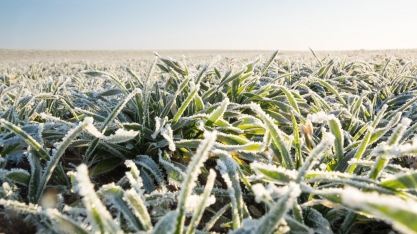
297	144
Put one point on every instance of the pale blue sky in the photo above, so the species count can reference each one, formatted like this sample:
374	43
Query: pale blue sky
209	24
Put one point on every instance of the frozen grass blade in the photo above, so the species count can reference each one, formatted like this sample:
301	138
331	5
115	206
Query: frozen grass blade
394	139
290	99
296	142
166	224
200	75
217	113
361	149
35	177
175	175
115	195
119	136
231	78
273	174
146	162
63	223
61	147
193	170
111	117
337	131
393	209
276	136
168	106
227	167
333	90
198	212
21	207
402	181
380	132
269	221
138	206
268	63
99	217
26	137
316	56
117	110
185	104
315	155
215	217
402	108
19	176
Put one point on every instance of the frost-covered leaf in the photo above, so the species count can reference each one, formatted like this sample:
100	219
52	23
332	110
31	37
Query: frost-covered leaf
361	149
168	134
175	174
16	175
20	207
185	104
64	224
119	136
316	154
193	143
277	137
137	205
298	228
116	111
105	165
316	221
199	208
274	174
217	113
26	137
99	217
231	139
60	150
337	131
109	92
401	213
248	147
290	99
159	123
134	177
229	172
215	218
147	162
402	181
278	209
35	176
193	170
166	224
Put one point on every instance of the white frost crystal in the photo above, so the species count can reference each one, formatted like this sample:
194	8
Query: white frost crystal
319	117
382	206
121	135
159	123
194	200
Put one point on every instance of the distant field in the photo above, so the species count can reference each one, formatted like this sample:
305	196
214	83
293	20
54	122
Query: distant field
74	55
11	56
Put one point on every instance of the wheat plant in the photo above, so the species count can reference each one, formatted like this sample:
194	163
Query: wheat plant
299	144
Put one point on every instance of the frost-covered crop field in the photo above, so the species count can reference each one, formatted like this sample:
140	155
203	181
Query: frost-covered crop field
283	143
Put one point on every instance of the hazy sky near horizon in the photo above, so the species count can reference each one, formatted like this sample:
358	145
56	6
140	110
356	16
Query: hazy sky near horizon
208	25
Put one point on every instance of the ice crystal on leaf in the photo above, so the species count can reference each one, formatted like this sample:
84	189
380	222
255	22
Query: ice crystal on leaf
193	200
319	117
96	212
400	212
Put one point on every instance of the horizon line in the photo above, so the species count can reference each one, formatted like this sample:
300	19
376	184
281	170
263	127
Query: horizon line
236	50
